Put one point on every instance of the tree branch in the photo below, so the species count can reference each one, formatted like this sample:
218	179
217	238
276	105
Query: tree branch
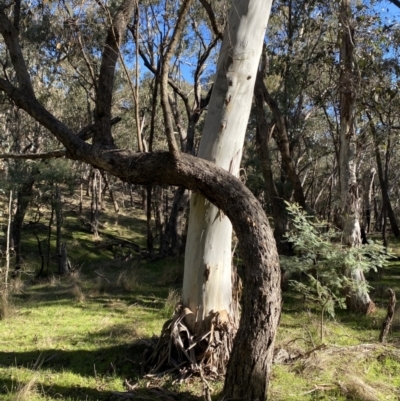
102	133
169	130
10	35
34	156
213	20
395	2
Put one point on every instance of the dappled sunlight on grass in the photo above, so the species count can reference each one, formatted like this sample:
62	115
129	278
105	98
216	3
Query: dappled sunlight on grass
83	336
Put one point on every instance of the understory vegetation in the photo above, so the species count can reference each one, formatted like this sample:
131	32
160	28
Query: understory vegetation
84	336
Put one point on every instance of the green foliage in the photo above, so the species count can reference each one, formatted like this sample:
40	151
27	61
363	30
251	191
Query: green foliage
326	262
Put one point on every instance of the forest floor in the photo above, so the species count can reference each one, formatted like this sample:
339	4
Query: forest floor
82	337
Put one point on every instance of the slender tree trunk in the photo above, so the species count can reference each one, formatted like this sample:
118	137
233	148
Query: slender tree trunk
8	246
368	197
49	229
23	198
383	180
94	205
349	193
81	199
107	186
263	135
150	246
58	213
207	285
64	265
172	237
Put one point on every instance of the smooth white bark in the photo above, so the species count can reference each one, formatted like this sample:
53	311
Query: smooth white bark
207	277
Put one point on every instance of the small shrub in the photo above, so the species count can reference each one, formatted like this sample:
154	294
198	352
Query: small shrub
326	263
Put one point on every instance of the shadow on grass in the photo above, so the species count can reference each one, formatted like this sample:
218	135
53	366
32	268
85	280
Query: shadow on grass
120	362
91	394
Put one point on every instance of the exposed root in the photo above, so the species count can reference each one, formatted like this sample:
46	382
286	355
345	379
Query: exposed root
179	350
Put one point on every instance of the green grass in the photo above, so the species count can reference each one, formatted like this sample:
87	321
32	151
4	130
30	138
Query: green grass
83	337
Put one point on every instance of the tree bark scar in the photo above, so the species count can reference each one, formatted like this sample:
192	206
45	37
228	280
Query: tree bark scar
207	272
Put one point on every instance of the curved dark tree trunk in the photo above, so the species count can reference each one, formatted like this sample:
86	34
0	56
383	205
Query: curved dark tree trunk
253	347
249	368
251	359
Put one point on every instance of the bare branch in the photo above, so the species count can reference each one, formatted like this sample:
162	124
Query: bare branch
30	104
102	134
17	13
87	132
169	130
35	156
395	2
10	35
213	20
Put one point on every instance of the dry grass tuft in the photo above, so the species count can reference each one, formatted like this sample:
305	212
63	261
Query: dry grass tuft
53	281
16	285
356	389
5	306
27	391
77	293
127	280
171	275
173	299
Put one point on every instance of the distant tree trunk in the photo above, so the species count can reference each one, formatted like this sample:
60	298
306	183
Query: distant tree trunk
81	199
383	179
49	229
8	233
159	206
99	191
24	195
94	205
64	265
172	237
107	186
349	192
263	135
150	245
282	140
368	197
131	196
59	221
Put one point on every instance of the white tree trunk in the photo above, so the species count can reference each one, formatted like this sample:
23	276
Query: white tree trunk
207	276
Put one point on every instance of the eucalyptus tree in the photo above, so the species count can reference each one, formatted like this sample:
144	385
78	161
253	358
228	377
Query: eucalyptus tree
250	362
287	82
